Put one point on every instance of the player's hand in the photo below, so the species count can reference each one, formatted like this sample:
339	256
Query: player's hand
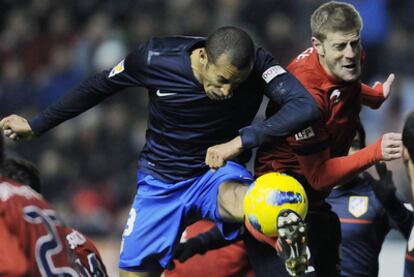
16	127
186	250
384	187
386	86
218	155
391	146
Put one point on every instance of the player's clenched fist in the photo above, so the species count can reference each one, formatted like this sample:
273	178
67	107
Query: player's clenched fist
16	127
218	155
391	146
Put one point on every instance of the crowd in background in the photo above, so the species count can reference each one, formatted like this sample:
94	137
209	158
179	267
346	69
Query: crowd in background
88	164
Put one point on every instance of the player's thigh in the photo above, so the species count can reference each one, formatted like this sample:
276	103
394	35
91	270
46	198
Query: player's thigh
154	226
218	195
230	200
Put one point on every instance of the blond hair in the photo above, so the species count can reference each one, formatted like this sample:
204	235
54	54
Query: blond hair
333	17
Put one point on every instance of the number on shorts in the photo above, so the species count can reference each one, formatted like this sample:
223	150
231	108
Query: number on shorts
130	223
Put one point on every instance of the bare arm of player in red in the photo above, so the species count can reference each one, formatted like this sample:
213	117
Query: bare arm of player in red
12	259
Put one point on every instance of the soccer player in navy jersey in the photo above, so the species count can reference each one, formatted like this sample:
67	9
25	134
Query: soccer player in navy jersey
408	156
203	95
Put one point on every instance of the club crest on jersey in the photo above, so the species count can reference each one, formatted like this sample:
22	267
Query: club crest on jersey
117	69
305	134
272	72
358	205
335	96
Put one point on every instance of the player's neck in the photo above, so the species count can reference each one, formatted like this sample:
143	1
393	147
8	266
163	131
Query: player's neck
325	67
196	65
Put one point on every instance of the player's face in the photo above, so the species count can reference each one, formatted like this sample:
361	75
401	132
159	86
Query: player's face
340	55
221	78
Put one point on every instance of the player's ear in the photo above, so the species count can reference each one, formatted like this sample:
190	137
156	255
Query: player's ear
203	56
317	44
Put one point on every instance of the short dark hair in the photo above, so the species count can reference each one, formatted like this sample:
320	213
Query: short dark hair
235	43
408	134
22	171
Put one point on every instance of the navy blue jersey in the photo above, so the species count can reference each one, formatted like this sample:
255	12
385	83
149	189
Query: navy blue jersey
364	225
183	122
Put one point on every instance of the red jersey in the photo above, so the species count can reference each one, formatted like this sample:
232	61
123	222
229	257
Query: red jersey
86	254
314	151
33	240
223	262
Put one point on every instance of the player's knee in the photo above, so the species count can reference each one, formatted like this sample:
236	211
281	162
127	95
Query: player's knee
230	201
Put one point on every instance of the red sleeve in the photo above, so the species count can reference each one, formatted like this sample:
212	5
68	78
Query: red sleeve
372	97
86	251
259	236
323	172
12	259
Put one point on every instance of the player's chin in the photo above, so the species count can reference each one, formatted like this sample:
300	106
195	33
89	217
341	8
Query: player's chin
351	77
216	97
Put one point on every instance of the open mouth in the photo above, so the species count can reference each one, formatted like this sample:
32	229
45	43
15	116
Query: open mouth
350	66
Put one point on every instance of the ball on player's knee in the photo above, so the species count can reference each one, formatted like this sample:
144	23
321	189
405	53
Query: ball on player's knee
270	194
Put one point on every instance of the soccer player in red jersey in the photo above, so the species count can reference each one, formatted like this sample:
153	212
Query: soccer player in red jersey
408	156
317	156
33	240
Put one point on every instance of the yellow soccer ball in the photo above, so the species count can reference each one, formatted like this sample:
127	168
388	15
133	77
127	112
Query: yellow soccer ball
268	196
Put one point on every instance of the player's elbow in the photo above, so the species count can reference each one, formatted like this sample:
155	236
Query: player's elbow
308	112
312	111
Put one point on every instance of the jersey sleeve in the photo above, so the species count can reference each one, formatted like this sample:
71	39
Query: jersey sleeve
12	259
324	172
86	253
131	71
297	107
272	241
372	97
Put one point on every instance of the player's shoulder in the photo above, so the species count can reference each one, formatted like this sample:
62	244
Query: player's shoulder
306	68
174	43
10	188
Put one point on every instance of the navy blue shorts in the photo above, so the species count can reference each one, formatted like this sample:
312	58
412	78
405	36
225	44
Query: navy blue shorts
161	211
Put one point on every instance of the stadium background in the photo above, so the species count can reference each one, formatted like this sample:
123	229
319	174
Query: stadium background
88	164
